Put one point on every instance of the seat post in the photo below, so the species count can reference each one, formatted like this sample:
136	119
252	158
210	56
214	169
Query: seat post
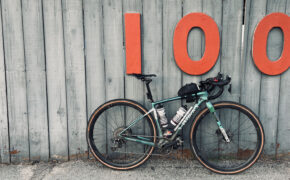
149	94
145	78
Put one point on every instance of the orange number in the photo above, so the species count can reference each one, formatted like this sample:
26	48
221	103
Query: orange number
260	44
133	43
212	43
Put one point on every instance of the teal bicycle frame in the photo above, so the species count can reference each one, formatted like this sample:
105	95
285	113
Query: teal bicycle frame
202	97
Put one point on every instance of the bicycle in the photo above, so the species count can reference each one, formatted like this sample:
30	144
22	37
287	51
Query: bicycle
225	137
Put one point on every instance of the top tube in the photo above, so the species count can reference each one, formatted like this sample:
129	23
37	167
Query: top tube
203	93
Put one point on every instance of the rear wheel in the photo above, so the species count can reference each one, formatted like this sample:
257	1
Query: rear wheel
104	127
245	133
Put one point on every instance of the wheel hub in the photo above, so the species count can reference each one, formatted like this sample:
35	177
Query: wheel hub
221	137
118	140
117	131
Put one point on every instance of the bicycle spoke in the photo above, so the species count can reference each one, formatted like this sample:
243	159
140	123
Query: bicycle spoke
113	147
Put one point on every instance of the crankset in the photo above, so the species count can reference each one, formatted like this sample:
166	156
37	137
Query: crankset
171	145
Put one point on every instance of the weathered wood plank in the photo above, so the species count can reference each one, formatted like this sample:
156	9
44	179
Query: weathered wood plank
152	45
114	59
172	76
214	9
250	91
36	79
134	88
194	49
95	72
4	132
283	143
283	128
75	77
194	41
269	100
16	80
55	69
231	41
113	49
231	45
172	13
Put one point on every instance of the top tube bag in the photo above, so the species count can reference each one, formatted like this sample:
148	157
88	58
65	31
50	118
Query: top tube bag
188	89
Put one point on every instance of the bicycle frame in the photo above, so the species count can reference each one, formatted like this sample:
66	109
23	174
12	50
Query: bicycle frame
202	97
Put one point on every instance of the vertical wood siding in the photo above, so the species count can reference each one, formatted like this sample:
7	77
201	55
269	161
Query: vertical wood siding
195	51
270	85
16	79
4	133
283	125
75	76
36	79
55	75
61	59
152	61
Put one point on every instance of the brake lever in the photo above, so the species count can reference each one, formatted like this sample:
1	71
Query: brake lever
219	76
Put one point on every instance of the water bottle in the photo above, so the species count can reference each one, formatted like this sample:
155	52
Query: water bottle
175	120
163	119
178	116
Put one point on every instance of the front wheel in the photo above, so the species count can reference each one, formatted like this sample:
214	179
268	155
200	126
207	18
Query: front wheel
105	126
244	130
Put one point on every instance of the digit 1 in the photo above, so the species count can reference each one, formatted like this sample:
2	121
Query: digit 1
133	43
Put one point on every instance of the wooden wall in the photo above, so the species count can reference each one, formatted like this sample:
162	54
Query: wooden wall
61	59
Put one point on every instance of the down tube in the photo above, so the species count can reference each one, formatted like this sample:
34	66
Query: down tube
184	121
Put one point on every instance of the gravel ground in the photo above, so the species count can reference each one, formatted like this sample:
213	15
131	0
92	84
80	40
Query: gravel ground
152	169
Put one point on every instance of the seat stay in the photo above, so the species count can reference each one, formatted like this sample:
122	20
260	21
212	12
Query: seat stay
136	121
139	139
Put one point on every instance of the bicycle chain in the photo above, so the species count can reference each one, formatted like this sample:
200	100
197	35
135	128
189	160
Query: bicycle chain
161	150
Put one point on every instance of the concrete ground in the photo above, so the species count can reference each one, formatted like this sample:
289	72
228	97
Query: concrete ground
152	169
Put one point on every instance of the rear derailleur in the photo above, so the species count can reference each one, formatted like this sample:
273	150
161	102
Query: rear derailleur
118	141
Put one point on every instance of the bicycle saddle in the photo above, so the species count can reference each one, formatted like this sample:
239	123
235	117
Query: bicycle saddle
143	76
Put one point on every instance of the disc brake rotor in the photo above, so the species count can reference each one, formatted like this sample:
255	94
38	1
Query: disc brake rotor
118	140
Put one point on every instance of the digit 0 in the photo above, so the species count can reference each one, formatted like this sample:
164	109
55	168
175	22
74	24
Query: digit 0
212	43
260	44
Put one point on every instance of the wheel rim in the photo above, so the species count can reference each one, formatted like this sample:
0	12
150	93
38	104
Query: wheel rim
215	152
108	123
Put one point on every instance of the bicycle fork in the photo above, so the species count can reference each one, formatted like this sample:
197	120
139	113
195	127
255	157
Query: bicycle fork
212	110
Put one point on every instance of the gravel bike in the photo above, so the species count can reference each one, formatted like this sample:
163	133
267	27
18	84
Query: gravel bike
225	137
